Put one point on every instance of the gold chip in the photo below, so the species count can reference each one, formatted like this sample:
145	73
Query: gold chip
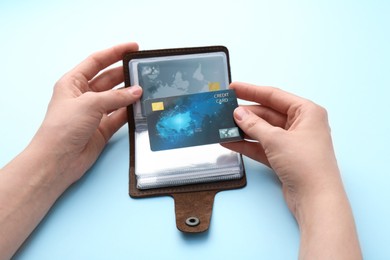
213	86
157	106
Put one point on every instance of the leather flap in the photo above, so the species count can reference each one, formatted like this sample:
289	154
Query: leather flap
193	210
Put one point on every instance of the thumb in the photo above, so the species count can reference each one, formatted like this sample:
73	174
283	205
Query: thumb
252	125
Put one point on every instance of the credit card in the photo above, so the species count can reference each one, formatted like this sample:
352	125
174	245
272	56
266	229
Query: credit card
190	120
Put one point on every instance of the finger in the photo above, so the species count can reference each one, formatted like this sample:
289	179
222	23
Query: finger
253	150
110	100
268	114
252	125
274	98
107	80
98	61
109	125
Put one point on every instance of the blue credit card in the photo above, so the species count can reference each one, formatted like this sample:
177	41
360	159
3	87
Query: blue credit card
189	120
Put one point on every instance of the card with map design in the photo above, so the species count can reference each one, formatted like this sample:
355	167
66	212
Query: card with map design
190	120
179	75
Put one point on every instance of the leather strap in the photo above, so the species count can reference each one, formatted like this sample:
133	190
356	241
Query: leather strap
193	210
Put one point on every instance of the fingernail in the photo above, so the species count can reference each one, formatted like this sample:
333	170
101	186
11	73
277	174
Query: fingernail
240	113
135	90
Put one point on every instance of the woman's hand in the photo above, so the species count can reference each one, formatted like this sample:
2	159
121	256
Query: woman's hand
292	136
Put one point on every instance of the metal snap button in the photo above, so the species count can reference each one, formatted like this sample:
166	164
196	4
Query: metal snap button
192	221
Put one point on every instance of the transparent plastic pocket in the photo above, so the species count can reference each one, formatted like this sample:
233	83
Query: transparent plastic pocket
198	164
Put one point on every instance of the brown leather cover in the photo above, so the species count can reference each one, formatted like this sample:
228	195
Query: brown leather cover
194	202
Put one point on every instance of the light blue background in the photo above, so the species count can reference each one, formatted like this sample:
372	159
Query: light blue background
333	52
